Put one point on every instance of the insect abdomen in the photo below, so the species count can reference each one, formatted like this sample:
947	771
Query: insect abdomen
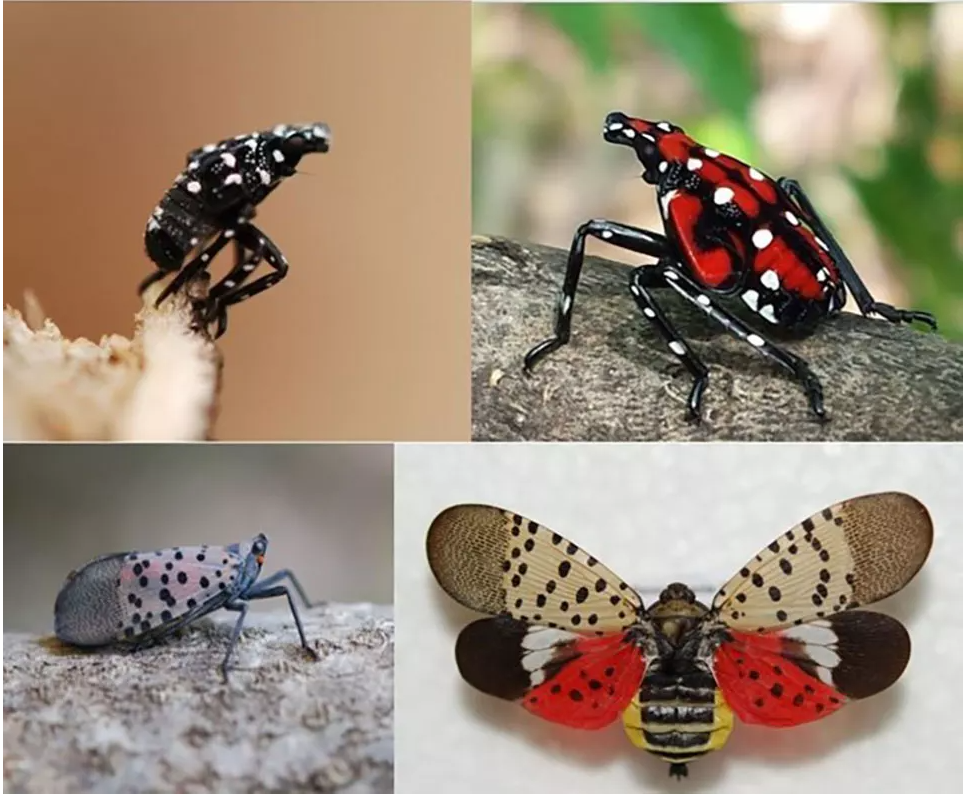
678	717
88	612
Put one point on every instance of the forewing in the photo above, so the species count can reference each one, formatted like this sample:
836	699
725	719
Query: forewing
853	553
567	678
492	560
803	673
164	589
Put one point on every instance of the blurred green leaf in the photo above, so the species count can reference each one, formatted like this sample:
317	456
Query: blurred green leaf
586	25
706	41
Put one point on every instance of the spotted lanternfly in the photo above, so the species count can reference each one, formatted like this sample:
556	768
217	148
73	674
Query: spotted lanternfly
212	203
729	230
137	599
781	644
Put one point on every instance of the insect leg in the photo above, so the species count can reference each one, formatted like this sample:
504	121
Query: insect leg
241	608
279	576
258	592
641	280
626	237
866	303
793	364
193	268
262	248
245	263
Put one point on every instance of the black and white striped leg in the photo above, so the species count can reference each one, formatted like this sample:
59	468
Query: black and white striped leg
261	248
253	247
642	279
188	272
796	366
866	303
626	237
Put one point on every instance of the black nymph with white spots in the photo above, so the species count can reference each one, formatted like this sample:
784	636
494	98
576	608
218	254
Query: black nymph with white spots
137	599
213	201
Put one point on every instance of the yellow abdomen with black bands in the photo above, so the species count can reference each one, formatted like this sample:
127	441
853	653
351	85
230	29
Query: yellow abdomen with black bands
678	717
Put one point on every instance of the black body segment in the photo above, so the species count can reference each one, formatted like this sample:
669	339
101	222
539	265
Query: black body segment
213	202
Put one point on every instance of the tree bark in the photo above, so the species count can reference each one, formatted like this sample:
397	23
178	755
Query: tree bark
161	720
616	380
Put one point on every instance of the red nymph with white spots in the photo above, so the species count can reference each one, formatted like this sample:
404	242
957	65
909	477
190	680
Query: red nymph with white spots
729	230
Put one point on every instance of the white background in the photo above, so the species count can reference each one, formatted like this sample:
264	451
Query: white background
655	514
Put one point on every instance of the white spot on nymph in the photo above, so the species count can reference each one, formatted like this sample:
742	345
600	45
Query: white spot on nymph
205	257
723	195
615	126
157	212
192	165
229	159
279	129
822	275
704	300
208	148
791	218
648	312
694	163
666	199
193	187
648	137
261	241
762	238
229	283
606	234
750	298
193	241
635	290
565	303
278	156
662	167
541	638
671	275
822	244
770	280
229	233
320	132
767	313
755	174
711	153
233	179
152	224
629	132
252	144
677	347
248	267
755	340
264	176
664	126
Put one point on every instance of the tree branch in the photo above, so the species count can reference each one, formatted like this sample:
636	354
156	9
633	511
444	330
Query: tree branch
162	384
617	381
161	720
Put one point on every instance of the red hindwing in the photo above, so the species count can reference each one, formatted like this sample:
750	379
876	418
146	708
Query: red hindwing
763	685
594	688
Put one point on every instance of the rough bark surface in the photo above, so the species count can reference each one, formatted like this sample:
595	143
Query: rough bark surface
161	384
162	721
616	380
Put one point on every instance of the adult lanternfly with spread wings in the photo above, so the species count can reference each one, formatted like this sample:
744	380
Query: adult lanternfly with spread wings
781	644
137	599
212	203
730	230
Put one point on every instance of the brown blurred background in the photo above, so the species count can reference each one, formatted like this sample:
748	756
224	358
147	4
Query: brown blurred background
368	336
327	511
